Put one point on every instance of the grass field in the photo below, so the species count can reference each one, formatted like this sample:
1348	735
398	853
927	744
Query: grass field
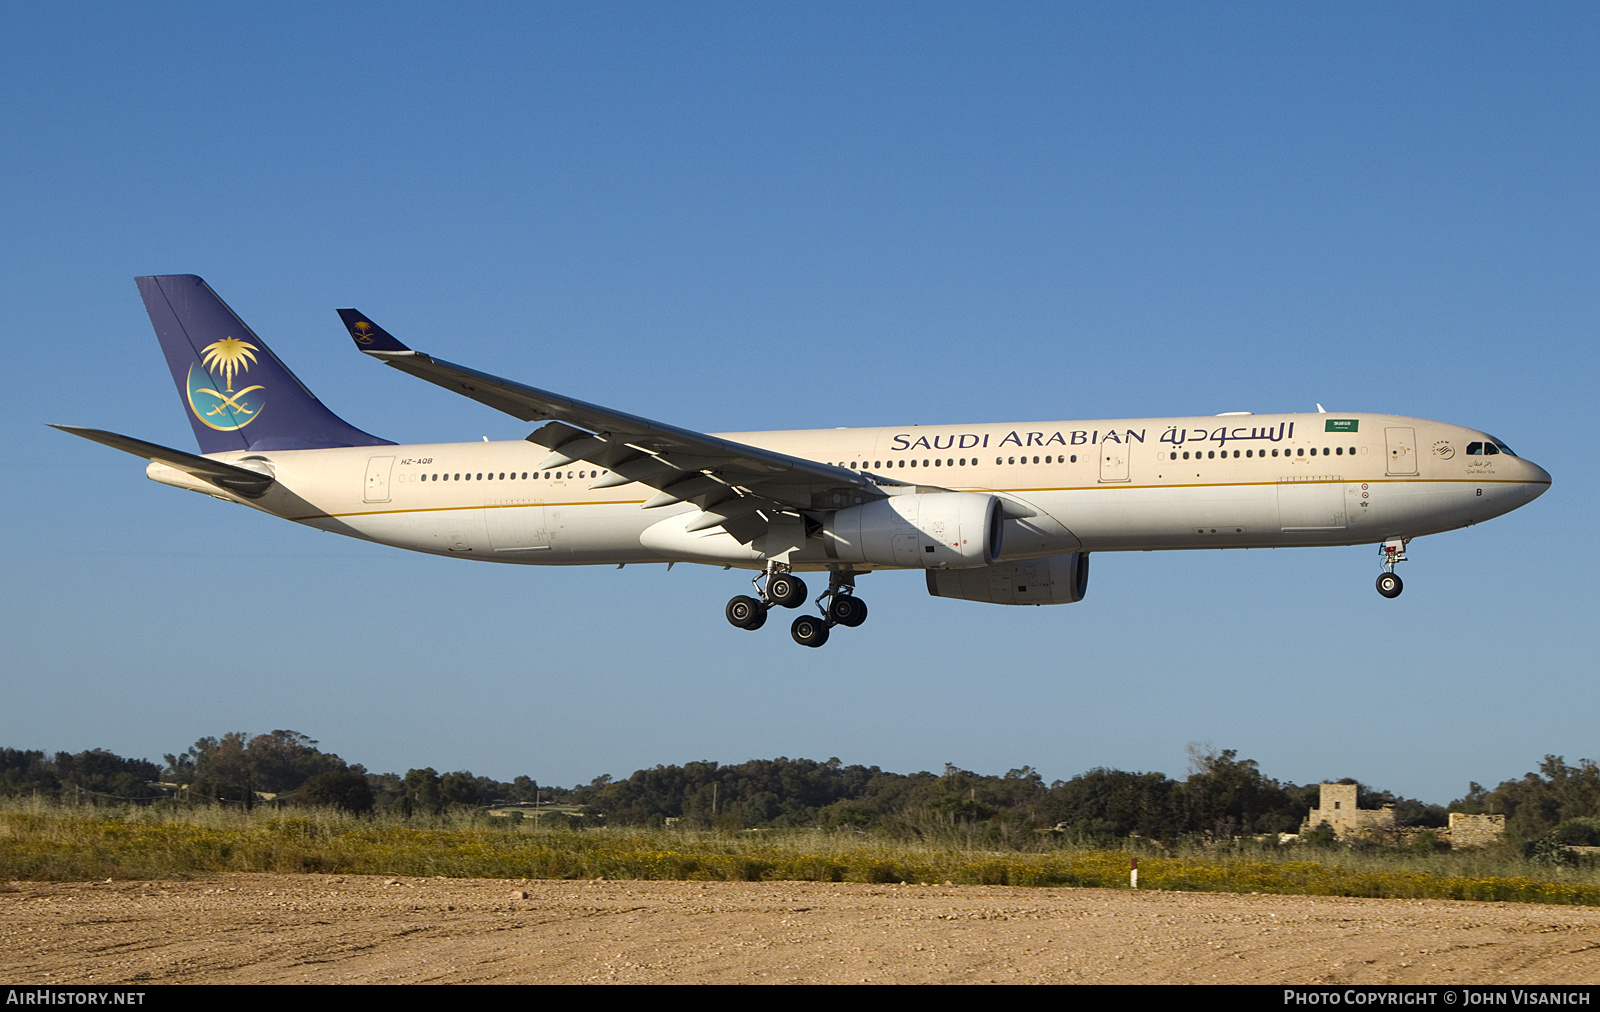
46	842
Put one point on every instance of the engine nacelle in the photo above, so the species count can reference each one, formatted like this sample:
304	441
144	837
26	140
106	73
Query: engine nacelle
932	530
1059	579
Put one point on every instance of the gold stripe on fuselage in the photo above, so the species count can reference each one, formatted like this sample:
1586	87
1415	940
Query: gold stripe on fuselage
1108	487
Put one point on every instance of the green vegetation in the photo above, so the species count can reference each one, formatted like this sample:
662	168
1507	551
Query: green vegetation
276	802
41	840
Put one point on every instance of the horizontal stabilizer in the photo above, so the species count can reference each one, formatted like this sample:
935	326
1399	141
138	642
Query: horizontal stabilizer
242	480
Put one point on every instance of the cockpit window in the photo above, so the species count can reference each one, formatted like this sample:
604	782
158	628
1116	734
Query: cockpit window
1488	448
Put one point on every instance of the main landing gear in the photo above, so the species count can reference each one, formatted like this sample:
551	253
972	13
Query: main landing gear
1393	551
777	586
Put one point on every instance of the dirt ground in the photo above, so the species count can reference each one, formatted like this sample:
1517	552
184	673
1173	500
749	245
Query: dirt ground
291	929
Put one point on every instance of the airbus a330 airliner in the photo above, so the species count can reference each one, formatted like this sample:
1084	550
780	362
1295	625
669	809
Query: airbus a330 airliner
1007	514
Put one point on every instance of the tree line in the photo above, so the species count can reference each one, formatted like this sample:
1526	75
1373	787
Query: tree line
1221	797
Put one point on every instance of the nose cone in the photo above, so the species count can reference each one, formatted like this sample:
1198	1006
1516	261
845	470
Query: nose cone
1537	478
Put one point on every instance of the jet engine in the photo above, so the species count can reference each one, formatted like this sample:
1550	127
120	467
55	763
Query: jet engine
1058	579
931	530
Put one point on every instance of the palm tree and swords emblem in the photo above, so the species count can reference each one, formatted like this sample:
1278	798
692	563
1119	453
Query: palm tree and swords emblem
229	357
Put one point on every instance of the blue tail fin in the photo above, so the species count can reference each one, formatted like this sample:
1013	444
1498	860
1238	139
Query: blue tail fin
237	394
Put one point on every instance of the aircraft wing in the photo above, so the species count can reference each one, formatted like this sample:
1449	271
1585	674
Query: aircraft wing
733	483
242	480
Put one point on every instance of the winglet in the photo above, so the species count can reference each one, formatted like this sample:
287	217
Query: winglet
370	337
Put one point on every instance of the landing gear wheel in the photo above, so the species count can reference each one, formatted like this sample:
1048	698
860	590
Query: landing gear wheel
1389	585
787	590
848	611
746	613
809	631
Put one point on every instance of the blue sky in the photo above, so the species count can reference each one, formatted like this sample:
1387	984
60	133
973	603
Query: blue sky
736	217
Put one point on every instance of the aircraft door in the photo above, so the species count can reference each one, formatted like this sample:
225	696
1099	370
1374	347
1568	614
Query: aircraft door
1113	462
377	487
516	527
1314	505
1402	441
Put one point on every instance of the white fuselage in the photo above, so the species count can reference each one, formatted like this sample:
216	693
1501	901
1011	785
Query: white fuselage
1231	481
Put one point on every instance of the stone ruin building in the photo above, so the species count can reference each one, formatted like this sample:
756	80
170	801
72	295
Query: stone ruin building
1337	809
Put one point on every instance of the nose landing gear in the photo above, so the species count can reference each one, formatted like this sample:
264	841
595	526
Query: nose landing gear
1393	551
